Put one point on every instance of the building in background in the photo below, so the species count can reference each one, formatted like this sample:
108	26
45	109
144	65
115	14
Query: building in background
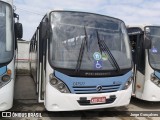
22	58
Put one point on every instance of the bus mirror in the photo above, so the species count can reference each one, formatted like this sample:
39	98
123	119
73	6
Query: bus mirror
18	30
147	43
43	30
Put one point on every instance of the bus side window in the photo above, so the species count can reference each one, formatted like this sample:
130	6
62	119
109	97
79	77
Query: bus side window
31	47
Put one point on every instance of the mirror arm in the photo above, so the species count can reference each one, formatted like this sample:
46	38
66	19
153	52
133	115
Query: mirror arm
16	16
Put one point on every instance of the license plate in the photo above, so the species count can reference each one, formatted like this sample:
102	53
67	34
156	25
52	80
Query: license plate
96	100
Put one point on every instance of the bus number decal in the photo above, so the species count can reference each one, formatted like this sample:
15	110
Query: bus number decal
78	83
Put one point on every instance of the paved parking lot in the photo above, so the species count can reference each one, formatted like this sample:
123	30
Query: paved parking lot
25	101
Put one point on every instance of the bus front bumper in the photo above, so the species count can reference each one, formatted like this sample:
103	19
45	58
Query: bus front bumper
56	101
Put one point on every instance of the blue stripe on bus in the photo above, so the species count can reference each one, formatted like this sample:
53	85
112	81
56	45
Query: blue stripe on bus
81	85
157	74
3	70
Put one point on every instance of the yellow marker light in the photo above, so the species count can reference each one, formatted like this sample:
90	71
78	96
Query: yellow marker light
9	72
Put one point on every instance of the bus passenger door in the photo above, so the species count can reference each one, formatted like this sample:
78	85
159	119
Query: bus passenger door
42	61
139	65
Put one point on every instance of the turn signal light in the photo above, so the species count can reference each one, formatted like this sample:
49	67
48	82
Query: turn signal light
9	72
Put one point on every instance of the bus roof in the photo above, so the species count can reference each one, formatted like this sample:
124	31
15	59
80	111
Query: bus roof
63	10
137	29
140	26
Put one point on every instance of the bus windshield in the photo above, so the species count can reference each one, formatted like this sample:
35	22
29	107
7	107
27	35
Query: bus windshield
80	38
153	33
6	41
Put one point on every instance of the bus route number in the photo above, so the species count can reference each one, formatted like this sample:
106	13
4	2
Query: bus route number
78	83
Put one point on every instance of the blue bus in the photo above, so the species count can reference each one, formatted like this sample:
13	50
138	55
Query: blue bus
9	32
81	61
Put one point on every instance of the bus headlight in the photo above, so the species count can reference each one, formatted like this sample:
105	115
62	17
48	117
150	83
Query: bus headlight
155	80
5	78
61	86
53	81
58	84
128	83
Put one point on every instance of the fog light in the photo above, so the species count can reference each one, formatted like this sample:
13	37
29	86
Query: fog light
5	78
61	86
53	81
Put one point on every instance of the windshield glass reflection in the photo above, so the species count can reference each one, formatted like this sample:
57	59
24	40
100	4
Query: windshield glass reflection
153	33
68	33
6	42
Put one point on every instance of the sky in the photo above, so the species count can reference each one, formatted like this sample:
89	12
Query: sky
132	12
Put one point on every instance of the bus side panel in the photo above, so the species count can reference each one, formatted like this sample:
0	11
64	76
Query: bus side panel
6	102
151	91
139	84
34	61
142	79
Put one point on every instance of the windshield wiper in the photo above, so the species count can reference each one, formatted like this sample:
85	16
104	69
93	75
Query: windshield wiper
104	48
81	52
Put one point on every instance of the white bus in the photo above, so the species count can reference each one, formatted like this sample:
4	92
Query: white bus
81	61
8	34
146	56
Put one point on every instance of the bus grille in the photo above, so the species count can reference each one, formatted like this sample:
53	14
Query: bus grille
93	89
